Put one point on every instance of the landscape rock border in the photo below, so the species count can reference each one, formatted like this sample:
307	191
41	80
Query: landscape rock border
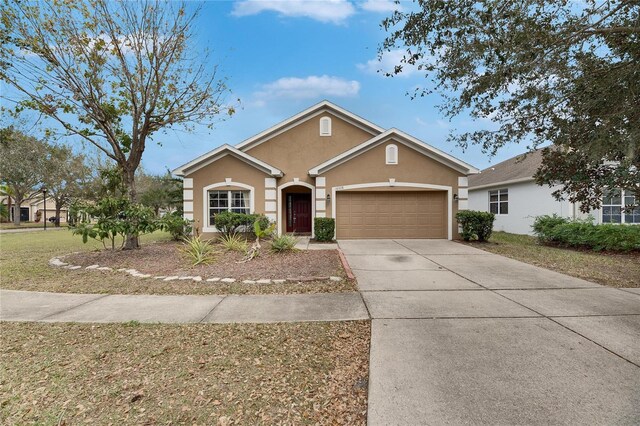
59	263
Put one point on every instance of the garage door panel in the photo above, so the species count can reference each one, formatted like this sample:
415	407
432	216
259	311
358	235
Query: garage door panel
391	214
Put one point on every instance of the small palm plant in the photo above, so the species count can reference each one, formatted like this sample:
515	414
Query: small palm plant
254	251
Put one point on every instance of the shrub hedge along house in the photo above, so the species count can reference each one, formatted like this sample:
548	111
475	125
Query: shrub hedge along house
327	162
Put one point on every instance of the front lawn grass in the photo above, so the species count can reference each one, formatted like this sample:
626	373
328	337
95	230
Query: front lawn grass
24	265
303	373
611	269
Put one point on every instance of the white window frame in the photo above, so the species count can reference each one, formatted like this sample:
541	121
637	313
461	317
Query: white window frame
622	205
391	154
325	122
500	193
220	186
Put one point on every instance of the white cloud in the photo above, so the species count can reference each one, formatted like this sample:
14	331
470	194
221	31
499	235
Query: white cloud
387	64
382	6
309	87
334	11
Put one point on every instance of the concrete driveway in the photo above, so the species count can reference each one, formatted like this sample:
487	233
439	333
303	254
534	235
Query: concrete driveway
461	336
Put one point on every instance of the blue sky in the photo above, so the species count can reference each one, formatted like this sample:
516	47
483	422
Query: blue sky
281	57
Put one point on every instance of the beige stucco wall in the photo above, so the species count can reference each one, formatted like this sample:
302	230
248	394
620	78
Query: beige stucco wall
371	167
226	167
301	148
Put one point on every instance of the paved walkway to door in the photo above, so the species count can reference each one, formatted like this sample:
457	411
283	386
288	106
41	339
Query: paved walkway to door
462	336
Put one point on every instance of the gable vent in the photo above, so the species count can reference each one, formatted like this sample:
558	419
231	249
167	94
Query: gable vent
392	154
325	126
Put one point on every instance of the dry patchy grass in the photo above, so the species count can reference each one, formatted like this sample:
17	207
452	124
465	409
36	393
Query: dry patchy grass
24	266
611	269
305	373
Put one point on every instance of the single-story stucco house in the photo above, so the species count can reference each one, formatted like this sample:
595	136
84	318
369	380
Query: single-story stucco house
509	190
31	210
328	162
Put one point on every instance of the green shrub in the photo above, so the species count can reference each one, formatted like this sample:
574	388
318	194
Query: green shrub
198	250
229	223
283	243
543	225
234	242
115	218
584	234
176	225
324	228
476	224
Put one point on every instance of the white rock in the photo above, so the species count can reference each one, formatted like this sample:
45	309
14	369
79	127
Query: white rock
197	279
92	267
186	277
57	262
279	281
144	275
72	267
160	277
104	268
171	278
122	269
248	282
228	280
213	280
264	281
335	278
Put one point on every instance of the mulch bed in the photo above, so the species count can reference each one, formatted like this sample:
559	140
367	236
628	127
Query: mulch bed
166	258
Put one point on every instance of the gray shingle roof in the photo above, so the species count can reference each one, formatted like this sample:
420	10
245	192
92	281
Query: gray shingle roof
521	166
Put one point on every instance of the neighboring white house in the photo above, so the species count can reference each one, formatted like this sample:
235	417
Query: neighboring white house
508	190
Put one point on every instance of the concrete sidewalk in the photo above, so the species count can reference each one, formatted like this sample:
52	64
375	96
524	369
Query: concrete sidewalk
20	230
462	336
68	307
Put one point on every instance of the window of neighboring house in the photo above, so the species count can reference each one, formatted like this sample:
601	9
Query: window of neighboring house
227	201
613	207
392	154
325	126
499	201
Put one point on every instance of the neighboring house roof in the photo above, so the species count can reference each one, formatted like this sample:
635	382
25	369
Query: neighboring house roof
401	137
220	152
315	110
520	168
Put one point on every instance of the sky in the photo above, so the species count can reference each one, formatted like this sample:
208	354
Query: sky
281	57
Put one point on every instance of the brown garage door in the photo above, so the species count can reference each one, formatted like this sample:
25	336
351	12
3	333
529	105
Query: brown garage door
391	214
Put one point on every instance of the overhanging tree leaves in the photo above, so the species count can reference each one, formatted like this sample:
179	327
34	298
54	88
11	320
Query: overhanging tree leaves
543	71
111	73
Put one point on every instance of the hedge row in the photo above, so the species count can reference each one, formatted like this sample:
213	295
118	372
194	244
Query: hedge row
584	234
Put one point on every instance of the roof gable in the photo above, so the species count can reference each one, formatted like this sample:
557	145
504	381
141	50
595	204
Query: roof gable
307	114
401	137
221	151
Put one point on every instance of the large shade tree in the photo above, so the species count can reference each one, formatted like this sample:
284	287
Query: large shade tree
64	176
113	74
21	167
543	71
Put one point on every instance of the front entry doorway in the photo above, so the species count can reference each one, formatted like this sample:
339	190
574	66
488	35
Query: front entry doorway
298	213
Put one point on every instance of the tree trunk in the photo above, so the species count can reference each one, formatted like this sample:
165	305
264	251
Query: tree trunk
131	241
57	220
17	202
